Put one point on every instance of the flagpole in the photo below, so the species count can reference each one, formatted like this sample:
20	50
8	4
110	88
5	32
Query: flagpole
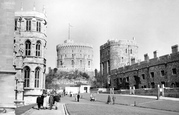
69	31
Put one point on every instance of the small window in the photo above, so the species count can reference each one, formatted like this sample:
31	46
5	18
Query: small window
162	73
131	51
89	63
72	62
81	63
127	79
152	74
126	50
143	76
15	25
121	80
174	71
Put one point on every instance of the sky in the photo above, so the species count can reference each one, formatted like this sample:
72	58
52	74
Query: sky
153	23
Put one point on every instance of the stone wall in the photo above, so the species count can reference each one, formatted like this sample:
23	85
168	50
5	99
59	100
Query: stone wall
149	73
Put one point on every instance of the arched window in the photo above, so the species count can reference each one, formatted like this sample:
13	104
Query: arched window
27	48
37	76
38	27
26	76
38	44
28	25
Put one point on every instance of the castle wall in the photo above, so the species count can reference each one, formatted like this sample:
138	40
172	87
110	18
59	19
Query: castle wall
150	73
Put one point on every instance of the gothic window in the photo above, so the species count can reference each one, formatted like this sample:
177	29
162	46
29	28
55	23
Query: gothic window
28	25
27	48
37	76
38	26
38	44
26	76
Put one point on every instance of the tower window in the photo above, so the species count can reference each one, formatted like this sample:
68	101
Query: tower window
72	63
38	44
81	63
26	77
27	48
89	64
37	75
38	27
28	25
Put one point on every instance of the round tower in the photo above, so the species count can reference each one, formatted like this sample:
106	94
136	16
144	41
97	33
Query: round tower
74	56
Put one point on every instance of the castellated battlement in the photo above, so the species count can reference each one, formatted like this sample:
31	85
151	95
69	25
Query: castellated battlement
149	73
169	58
118	42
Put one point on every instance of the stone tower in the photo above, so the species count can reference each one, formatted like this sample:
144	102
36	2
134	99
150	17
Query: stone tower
117	53
73	56
29	54
7	72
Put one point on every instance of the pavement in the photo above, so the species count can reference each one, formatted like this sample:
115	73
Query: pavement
60	111
142	101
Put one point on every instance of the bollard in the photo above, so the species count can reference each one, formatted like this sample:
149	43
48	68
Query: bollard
158	92
134	103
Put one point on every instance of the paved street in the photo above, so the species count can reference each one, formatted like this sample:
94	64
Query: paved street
124	106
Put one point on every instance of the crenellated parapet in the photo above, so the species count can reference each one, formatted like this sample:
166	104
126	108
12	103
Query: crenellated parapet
150	72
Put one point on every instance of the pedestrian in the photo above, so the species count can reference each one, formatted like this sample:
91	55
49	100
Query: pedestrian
78	97
51	101
46	101
42	100
109	99
38	101
113	99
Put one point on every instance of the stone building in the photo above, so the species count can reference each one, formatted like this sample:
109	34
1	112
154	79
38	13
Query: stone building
29	54
7	71
117	53
75	56
149	73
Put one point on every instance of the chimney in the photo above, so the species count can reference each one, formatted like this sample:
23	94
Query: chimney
155	54
146	57
174	49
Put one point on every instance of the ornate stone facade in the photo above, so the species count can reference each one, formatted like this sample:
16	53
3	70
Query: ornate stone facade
149	73
117	53
73	56
29	54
